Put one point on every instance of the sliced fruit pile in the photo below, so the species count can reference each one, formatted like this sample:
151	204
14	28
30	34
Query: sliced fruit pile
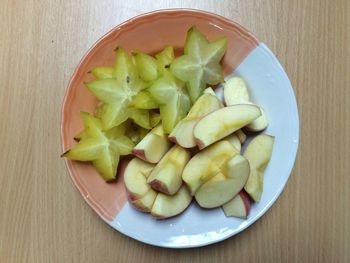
186	143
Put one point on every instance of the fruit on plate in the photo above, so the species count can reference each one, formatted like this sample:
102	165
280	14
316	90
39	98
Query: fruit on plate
102	148
164	59
146	65
200	64
172	99
258	153
153	146
171	205
182	134
239	206
259	124
241	136
139	193
206	164
117	93
227	183
102	72
222	122
234	140
209	91
166	176
235	91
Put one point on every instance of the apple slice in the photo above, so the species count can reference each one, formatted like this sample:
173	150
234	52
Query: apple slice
167	206
225	185
258	153
206	164
139	193
209	91
241	136
259	124
153	146
182	134
235	91
234	140
166	176
222	122
145	203
239	206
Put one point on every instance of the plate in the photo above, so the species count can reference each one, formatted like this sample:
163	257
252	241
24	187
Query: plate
246	56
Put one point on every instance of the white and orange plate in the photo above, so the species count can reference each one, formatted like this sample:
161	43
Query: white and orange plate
246	56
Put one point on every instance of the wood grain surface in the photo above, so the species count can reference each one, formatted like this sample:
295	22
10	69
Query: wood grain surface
43	218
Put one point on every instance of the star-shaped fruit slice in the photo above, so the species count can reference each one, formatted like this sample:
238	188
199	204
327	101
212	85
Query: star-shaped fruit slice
200	64
118	92
102	148
172	98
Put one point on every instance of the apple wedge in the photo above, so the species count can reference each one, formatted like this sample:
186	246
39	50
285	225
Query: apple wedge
225	185
139	193
166	176
241	136
234	140
235	91
167	206
239	206
209	91
224	121
259	124
258	153
153	146
206	164
182	134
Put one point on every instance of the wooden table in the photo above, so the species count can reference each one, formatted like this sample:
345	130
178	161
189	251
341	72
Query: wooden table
43	217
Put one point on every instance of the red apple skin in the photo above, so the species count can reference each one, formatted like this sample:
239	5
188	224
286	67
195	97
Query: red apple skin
139	153
172	139
246	201
158	186
131	197
200	144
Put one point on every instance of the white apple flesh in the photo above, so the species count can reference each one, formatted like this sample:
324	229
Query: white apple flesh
139	193
235	91
153	146
166	206
258	153
222	122
182	134
206	164
239	206
259	124
225	185
166	175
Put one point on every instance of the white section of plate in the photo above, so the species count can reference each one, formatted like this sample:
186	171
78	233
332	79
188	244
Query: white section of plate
269	87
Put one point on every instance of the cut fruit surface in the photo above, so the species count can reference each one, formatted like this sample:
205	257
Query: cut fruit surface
206	164
235	91
258	153
182	134
225	185
200	64
259	124
117	93
100	147
234	140
239	206
167	206
153	146
222	122
146	66
166	176
172	99
102	72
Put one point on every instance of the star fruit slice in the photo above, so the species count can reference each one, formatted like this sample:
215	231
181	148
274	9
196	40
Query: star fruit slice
102	148
172	98
117	93
200	64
